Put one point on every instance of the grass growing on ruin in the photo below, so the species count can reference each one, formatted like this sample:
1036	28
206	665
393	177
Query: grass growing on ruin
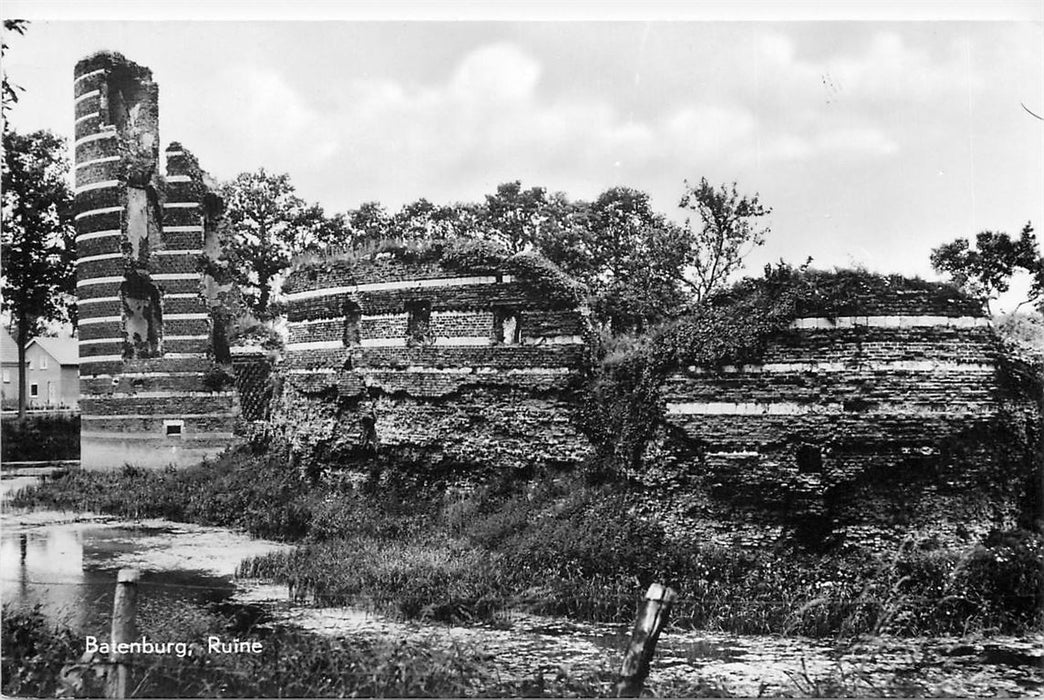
559	546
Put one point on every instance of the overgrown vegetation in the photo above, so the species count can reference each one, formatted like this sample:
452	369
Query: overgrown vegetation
463	255
44	659
561	546
624	408
40	437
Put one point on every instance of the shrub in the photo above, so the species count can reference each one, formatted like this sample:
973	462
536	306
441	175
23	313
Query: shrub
34	652
40	437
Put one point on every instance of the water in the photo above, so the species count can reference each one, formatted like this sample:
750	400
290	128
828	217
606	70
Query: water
524	646
67	564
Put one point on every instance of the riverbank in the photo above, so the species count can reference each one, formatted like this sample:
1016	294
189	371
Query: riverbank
327	651
559	546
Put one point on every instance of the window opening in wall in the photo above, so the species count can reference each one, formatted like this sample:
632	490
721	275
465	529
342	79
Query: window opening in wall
7	376
142	317
34	389
173	428
809	460
506	327
43	362
219	323
418	323
352	319
28	364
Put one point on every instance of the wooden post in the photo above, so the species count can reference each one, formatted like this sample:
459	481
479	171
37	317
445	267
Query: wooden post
652	616
124	630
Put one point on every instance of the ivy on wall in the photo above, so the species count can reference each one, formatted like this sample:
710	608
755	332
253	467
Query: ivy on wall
624	407
460	255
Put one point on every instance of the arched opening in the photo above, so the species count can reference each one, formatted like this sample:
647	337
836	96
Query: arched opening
142	317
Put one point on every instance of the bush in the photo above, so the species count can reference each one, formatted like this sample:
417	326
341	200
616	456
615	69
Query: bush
41	437
292	663
34	652
562	546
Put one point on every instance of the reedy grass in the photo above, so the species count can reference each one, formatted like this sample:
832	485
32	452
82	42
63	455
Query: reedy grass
561	547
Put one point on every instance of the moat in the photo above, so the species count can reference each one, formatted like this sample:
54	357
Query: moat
67	562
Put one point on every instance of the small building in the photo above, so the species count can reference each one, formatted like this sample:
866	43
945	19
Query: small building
52	372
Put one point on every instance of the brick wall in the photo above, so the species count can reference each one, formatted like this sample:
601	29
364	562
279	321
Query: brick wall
353	378
144	325
868	432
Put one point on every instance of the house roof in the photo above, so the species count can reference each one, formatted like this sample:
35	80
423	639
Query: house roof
65	351
8	348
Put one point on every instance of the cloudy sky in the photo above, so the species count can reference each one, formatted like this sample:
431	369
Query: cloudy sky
873	141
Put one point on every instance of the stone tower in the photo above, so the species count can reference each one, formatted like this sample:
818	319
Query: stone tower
150	392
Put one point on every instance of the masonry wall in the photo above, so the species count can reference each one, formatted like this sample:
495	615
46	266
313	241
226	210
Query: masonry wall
434	365
855	430
144	326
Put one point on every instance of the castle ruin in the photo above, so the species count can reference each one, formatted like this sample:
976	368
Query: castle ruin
894	411
145	326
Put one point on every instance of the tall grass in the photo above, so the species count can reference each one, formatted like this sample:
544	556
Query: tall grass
562	546
43	660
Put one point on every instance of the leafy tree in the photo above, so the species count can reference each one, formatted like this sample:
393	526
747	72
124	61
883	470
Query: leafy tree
369	223
513	216
264	226
727	231
38	244
563	237
637	259
985	271
10	90
422	220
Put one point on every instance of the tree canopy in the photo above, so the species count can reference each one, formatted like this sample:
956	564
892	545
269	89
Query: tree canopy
727	231
642	267
37	237
265	224
985	270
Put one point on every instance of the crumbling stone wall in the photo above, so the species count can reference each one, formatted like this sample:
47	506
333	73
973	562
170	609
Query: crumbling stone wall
900	415
145	328
436	365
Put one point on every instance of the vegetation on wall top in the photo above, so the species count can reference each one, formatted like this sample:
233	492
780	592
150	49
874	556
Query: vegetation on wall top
624	406
459	255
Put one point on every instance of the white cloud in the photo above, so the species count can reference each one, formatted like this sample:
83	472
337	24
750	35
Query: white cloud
500	72
485	122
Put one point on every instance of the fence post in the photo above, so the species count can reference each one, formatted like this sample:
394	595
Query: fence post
124	629
652	616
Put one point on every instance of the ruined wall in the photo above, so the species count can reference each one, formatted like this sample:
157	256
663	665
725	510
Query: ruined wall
436	365
145	329
854	429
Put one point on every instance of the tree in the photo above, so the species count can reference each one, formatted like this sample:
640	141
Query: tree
637	258
369	223
422	220
985	271
513	216
10	90
38	244
264	226
563	238
727	231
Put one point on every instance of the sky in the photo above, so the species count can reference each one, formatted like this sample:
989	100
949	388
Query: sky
872	141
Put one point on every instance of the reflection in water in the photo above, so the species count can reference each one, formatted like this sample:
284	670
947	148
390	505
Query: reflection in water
69	569
43	567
